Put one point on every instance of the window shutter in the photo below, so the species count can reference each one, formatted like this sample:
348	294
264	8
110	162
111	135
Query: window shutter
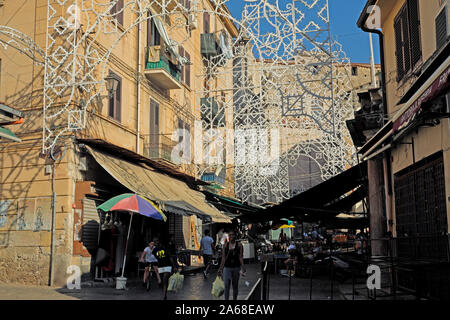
406	40
181	53
149	30
119	8
205	22
414	27
188	70
441	28
399	48
111	107
118	95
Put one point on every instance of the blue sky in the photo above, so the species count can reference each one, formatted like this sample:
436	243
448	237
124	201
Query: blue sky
343	17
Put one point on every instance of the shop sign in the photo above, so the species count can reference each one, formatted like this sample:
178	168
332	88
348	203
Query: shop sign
438	85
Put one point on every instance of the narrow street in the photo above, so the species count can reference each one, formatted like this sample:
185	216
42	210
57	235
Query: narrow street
195	287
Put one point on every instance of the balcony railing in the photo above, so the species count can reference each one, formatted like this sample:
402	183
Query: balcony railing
212	178
160	70
159	147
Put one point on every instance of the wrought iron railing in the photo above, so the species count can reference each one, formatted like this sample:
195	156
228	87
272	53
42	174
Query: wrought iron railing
155	59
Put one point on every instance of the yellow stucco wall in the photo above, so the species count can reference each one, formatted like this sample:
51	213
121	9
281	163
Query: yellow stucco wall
427	141
25	254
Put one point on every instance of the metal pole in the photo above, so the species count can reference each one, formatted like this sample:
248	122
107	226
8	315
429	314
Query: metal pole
372	63
289	273
126	245
310	282
332	266
353	285
52	249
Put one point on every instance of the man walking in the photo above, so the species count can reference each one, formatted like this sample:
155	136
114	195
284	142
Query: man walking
165	266
206	245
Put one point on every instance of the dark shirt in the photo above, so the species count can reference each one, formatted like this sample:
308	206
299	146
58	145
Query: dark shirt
163	256
232	257
172	248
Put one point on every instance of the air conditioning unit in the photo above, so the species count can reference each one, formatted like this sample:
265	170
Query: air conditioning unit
192	21
442	27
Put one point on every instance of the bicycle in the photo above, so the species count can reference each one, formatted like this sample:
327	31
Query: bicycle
149	278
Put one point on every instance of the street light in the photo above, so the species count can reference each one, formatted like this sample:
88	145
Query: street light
112	82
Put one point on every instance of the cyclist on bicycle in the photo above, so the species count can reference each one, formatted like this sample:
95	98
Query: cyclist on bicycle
150	261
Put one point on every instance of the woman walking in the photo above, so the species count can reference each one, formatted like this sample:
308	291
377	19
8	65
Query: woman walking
232	265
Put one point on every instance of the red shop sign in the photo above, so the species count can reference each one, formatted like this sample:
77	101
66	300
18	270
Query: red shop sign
433	91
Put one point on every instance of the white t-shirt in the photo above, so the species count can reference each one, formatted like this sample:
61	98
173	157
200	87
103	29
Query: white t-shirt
149	257
206	244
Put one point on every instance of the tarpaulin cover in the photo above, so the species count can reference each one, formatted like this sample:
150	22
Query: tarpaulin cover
169	192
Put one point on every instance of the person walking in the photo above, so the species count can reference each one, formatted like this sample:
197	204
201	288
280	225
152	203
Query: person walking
232	265
206	248
165	265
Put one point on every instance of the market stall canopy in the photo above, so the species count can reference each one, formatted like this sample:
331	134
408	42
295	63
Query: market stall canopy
322	202
230	206
9	116
173	195
7	134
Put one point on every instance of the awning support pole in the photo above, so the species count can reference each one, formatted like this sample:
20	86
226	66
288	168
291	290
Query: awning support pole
126	245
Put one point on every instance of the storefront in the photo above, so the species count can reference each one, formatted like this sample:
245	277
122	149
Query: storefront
413	152
99	237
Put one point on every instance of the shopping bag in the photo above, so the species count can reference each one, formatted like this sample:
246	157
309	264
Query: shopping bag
179	279
218	287
172	280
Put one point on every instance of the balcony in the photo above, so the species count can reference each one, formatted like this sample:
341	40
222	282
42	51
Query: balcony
159	148
212	112
218	182
160	70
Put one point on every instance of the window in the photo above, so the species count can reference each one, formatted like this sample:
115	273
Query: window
187	76
441	28
154	122
181	53
354	71
180	126
114	109
206	23
117	11
186	3
407	38
153	36
185	68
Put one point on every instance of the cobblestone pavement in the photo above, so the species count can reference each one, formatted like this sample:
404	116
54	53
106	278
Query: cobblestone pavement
195	287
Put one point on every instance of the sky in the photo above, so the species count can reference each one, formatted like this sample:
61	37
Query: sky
343	17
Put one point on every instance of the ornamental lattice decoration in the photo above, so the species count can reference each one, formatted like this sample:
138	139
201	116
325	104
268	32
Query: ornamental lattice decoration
286	92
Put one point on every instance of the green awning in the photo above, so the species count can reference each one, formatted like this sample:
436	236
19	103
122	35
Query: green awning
5	133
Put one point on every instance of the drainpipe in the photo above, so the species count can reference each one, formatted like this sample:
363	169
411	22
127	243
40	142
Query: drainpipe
387	166
139	69
362	26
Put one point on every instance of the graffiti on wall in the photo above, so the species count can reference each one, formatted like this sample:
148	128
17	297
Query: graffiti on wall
34	214
4	206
